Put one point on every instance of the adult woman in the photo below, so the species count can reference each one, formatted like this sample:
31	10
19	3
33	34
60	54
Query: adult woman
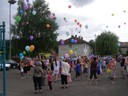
64	73
37	76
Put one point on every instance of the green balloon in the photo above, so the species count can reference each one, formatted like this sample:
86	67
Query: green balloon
24	52
76	48
18	18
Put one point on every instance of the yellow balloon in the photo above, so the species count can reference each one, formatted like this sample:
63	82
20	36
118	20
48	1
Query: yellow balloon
32	47
108	71
71	52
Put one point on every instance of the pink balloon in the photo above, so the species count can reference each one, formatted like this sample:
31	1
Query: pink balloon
51	16
66	55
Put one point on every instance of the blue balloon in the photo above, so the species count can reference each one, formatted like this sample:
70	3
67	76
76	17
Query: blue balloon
72	40
21	54
27	48
21	11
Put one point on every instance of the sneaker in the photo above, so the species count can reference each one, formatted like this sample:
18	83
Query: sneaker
40	91
36	92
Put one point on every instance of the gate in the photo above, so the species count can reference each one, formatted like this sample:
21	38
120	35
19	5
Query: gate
3	56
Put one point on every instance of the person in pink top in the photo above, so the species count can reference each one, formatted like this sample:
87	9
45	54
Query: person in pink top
49	77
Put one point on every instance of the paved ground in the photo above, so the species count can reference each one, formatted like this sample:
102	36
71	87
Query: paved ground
19	87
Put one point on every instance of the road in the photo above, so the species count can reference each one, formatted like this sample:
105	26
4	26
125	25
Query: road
24	87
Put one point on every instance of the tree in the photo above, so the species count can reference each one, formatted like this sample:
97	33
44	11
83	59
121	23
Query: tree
107	44
34	20
92	43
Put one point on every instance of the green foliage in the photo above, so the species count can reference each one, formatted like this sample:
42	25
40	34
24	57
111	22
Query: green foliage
33	23
107	44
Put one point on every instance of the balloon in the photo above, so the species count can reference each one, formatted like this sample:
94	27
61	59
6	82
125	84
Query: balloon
124	11
18	18
21	56
25	6
62	57
86	26
106	26
31	37
48	26
64	18
108	71
24	52
27	48
62	42
112	14
78	23
67	33
119	26
71	52
32	47
51	16
27	0
21	11
75	20
124	23
75	41
66	55
72	40
69	6
34	12
76	48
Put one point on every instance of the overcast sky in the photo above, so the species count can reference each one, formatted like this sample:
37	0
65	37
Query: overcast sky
98	15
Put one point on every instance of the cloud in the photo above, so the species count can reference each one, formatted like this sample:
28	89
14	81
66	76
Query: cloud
81	3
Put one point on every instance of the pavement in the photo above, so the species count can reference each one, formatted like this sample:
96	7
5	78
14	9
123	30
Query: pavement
24	87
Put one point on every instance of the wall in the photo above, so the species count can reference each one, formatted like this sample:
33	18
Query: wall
83	49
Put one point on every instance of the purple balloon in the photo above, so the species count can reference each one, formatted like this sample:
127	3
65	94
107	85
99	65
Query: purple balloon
31	37
25	6
62	42
75	41
27	0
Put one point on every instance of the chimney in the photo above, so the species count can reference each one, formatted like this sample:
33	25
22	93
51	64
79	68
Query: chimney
81	38
72	36
75	36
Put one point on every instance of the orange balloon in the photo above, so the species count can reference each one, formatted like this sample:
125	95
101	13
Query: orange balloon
48	26
32	47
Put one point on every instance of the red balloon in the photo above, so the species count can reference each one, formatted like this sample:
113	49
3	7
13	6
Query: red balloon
69	6
78	23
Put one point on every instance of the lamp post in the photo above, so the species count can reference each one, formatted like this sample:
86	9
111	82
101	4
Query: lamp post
10	44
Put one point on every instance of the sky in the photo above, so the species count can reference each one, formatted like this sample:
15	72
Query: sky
95	16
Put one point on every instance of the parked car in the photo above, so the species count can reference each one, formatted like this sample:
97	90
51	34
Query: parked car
13	63
8	66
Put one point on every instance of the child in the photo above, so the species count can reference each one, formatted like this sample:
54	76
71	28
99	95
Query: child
49	76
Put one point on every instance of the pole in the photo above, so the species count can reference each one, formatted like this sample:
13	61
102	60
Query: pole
4	58
10	45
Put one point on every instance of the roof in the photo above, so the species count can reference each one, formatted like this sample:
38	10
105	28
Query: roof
78	38
123	44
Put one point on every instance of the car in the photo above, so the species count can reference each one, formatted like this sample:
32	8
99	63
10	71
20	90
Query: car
8	66
13	63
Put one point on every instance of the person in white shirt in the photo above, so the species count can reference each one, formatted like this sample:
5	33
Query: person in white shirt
56	65
64	73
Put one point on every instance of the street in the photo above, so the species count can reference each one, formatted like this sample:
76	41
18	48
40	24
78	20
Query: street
24	87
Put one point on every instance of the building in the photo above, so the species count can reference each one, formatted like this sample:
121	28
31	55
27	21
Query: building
80	47
123	47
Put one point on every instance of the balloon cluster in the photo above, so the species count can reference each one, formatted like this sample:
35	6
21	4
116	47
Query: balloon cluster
29	48
73	41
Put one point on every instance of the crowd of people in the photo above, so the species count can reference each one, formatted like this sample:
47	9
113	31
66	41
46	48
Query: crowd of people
54	69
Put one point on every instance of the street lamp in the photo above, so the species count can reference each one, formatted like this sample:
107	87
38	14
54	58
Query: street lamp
10	45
